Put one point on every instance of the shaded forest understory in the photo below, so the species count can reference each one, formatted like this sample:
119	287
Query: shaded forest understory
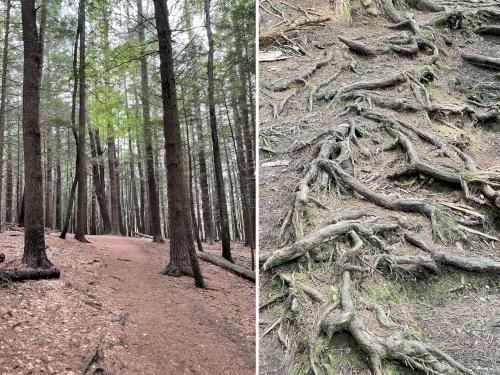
111	297
379	187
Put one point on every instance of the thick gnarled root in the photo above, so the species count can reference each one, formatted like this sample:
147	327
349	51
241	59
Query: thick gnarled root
396	346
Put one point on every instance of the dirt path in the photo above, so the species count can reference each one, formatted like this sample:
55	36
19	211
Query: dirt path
149	323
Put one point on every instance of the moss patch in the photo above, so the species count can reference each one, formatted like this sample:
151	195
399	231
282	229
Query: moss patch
385	291
312	217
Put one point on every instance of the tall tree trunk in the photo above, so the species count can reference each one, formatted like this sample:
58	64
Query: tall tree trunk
154	207
242	171
205	194
224	219
98	178
3	99
9	185
183	258
190	166
34	240
81	221
58	182
142	191
48	184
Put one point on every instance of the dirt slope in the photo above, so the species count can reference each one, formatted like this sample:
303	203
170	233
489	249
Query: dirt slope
371	146
111	292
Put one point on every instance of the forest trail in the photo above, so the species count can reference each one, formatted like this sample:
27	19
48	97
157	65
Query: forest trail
111	290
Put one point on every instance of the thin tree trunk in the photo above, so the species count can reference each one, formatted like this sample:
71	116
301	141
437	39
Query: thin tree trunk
205	194
142	191
3	99
183	258
34	239
190	166
9	185
154	208
48	185
224	219
242	169
98	179
81	222
58	182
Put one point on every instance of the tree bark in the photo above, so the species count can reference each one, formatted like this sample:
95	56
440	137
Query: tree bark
99	179
221	192
34	240
3	99
9	185
205	194
58	202
154	207
48	184
183	258
81	222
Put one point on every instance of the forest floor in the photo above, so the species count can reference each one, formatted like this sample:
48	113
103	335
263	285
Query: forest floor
334	249
112	300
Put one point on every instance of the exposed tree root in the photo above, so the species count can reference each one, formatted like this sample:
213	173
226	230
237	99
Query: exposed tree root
488	30
398	204
468	263
314	262
396	346
301	79
280	107
312	243
483	61
279	31
393	80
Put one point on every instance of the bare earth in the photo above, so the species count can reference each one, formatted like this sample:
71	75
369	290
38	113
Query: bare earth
111	296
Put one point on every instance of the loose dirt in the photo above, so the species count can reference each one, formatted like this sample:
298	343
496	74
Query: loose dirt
111	297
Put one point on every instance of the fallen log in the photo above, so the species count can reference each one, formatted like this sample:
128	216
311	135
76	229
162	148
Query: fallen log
218	261
483	61
30	274
2	257
231	267
137	234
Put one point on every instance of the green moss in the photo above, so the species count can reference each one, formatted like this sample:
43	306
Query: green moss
393	368
372	11
279	310
312	217
274	284
415	334
399	4
384	291
335	293
474	149
435	91
346	11
344	358
434	293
